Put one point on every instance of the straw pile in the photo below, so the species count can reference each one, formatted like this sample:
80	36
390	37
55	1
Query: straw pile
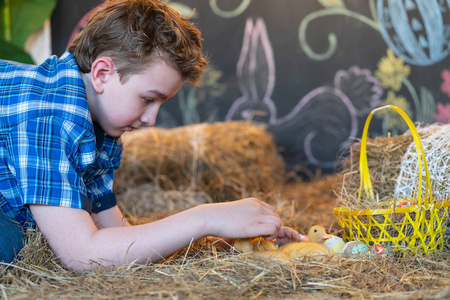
202	271
226	161
149	199
384	155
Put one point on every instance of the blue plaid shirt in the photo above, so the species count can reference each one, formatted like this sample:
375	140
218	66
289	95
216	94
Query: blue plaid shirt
50	151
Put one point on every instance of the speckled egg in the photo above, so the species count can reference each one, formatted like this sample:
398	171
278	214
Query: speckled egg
354	248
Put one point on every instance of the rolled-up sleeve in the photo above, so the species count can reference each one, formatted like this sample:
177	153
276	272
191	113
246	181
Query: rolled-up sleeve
99	176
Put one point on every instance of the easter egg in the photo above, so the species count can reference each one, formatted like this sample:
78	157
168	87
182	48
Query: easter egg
335	243
379	250
354	248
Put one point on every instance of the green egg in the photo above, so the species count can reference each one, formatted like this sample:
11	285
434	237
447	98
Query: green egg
354	248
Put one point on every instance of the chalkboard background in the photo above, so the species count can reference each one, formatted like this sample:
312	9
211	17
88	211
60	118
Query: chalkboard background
308	70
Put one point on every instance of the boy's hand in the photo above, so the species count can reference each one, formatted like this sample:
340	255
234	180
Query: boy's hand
287	235
243	218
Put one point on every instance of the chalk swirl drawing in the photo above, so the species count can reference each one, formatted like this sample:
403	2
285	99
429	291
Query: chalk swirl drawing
416	30
229	13
321	124
332	40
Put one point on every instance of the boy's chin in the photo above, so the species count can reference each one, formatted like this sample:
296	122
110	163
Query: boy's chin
115	133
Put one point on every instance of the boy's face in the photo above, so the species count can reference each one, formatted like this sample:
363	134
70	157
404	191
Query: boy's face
124	107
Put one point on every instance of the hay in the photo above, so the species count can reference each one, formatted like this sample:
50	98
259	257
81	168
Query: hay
384	156
227	161
148	198
201	271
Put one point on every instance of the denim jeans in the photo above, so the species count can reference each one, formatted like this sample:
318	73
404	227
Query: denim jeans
11	238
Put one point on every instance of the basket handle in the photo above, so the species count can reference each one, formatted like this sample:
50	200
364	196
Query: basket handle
364	169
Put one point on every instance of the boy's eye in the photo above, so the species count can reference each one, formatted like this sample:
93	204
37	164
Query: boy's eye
148	100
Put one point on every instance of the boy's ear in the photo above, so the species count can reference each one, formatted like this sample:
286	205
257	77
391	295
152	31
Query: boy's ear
102	69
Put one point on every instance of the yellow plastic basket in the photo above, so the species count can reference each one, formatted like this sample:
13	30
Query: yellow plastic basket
416	229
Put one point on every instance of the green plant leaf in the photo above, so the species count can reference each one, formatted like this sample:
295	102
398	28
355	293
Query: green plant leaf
12	52
27	16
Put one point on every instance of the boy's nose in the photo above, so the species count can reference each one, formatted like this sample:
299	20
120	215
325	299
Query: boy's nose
149	116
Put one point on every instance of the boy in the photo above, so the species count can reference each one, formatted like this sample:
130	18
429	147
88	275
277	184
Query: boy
59	141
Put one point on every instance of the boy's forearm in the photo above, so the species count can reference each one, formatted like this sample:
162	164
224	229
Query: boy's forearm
75	239
149	242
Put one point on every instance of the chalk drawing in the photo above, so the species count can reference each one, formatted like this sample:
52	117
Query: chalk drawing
332	40
255	74
231	13
323	122
416	30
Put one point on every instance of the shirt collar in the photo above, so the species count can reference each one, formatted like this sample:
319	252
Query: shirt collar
99	136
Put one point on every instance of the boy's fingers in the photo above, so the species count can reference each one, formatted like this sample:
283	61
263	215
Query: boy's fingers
273	219
287	232
263	204
271	226
268	206
283	241
269	231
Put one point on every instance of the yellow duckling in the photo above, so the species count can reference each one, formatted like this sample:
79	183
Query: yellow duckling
259	247
317	234
313	245
253	244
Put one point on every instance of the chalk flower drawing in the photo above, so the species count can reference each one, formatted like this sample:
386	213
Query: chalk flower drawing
192	100
443	113
393	121
210	80
445	86
391	71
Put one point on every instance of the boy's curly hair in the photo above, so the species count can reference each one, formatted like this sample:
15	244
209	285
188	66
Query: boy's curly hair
131	32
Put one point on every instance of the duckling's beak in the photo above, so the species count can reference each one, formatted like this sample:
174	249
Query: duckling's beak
325	237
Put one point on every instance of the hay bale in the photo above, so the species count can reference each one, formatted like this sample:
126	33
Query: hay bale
227	160
148	199
384	155
384	159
